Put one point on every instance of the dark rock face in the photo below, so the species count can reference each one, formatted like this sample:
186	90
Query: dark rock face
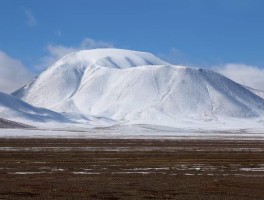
11	124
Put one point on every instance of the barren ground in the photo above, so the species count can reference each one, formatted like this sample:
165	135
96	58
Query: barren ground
131	169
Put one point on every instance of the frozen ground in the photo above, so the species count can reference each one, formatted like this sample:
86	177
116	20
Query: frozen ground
131	169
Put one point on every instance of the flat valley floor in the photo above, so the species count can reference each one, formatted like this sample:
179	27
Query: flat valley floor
131	169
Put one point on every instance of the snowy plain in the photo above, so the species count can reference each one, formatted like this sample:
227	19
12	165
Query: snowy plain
136	132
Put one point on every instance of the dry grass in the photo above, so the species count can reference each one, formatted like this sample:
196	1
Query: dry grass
130	169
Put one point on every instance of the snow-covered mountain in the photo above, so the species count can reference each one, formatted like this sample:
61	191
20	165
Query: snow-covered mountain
62	80
14	109
132	86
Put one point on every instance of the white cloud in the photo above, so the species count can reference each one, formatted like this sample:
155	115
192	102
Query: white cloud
175	56
13	74
58	33
59	50
31	20
55	52
244	74
89	43
247	75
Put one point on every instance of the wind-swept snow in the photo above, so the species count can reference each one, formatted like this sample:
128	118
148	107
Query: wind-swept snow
14	109
255	91
136	87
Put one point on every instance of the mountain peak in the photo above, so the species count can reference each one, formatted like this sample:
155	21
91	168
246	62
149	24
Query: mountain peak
109	57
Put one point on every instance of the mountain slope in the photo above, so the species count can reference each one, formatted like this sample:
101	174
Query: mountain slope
134	86
14	109
11	124
255	91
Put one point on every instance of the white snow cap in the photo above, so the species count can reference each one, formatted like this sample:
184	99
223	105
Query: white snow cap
111	58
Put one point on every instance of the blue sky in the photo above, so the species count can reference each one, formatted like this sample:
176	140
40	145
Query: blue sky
193	32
